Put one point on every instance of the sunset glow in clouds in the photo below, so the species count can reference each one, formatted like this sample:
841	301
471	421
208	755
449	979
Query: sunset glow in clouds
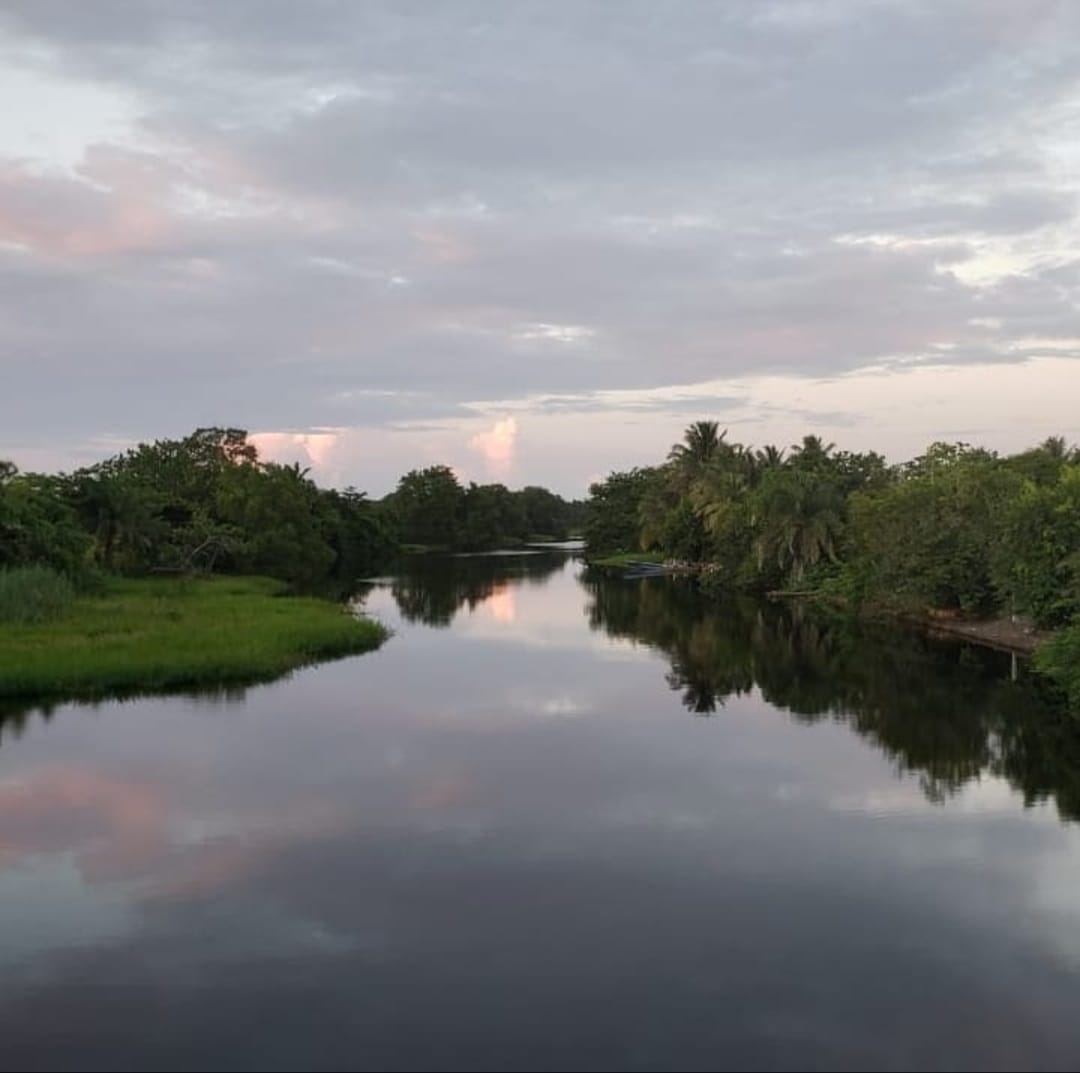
497	446
535	241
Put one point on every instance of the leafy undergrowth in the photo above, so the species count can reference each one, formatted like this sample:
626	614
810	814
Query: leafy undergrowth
1059	659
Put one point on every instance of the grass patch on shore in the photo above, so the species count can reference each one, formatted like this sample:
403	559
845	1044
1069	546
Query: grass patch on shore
155	634
33	594
626	558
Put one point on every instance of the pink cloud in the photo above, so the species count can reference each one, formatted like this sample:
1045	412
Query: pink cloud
497	446
70	218
312	448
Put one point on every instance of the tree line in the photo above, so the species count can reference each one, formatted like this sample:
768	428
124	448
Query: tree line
433	509
207	503
957	528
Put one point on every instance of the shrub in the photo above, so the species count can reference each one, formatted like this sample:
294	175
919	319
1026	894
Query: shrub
1059	659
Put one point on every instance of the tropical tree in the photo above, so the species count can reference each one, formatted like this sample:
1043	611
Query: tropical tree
613	519
798	520
428	504
700	444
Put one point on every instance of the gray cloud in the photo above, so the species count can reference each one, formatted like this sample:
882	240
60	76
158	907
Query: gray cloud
343	214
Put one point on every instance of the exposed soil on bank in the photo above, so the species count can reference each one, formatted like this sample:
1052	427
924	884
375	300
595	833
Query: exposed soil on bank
1011	635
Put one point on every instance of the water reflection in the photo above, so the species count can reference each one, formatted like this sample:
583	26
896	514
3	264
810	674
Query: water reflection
505	844
949	713
432	589
19	713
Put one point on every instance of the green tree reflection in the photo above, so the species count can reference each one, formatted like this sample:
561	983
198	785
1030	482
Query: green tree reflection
946	712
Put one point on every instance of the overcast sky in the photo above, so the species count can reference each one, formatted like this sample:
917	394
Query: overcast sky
534	241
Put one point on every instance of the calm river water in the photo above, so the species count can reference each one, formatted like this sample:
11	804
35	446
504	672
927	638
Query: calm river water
557	822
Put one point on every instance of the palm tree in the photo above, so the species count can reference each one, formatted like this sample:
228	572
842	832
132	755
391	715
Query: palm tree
700	443
811	453
720	488
800	523
770	457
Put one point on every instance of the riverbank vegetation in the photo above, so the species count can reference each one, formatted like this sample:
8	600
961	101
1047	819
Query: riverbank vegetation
150	634
957	530
208	504
204	504
624	559
167	565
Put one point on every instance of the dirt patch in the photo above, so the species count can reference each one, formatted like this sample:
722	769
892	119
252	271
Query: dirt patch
1010	634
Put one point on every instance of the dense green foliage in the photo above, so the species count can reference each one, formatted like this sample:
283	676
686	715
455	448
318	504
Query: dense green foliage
201	504
207	503
958	528
613	522
39	524
172	633
33	593
174	512
1059	658
431	508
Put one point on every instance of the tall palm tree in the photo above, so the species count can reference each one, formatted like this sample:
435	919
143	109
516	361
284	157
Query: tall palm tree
800	523
700	443
770	456
812	452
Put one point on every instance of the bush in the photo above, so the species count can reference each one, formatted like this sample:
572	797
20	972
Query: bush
33	594
1059	659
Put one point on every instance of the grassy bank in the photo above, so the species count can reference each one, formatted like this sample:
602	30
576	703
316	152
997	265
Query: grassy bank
626	558
169	633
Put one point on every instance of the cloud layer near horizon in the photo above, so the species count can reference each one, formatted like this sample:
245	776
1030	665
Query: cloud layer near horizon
535	240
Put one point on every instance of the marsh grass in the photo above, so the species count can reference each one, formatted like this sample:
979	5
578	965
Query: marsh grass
167	633
625	558
32	594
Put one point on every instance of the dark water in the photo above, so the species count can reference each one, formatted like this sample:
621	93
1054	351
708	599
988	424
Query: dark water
556	823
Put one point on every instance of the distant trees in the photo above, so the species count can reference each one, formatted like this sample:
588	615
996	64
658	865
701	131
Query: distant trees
547	514
430	507
207	502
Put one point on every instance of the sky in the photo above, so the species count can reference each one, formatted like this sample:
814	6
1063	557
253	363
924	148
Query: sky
535	241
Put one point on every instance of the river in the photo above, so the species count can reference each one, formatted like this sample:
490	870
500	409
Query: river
559	821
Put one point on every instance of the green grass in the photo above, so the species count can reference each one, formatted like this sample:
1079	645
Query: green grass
33	594
159	634
625	558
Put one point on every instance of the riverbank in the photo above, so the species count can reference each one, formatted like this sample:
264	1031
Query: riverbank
150	634
1007	634
625	560
1014	634
1003	633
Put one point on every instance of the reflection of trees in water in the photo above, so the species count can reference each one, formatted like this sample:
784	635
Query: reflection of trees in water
432	588
17	713
946	712
429	589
